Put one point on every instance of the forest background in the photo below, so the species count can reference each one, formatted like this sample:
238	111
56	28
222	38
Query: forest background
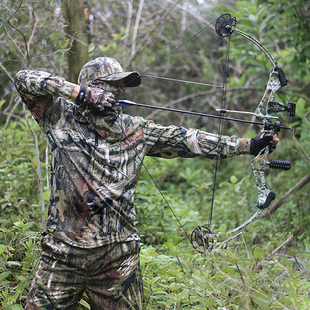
265	268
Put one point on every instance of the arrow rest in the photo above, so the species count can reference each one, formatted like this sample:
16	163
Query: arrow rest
225	25
202	239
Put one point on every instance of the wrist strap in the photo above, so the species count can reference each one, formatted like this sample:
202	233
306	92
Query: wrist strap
81	96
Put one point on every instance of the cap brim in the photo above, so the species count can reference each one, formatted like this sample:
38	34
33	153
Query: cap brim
132	79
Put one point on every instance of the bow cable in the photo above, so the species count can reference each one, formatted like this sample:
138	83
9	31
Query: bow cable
125	103
177	80
224	98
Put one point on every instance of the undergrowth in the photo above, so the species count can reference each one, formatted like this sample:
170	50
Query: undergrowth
267	267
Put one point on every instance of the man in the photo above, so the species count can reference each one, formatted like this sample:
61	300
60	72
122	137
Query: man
96	158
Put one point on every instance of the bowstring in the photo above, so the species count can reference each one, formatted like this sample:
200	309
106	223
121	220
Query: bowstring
221	123
180	81
179	46
224	88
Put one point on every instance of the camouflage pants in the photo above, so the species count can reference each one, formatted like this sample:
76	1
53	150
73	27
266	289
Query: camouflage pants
110	276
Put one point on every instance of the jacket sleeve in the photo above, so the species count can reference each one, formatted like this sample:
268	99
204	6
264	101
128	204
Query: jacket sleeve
39	89
40	83
172	141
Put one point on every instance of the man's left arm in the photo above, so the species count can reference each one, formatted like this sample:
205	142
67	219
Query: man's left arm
172	141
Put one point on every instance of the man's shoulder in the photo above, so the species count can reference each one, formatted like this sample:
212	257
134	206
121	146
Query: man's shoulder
132	119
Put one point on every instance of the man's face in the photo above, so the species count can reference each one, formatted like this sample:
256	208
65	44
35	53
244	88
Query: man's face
116	87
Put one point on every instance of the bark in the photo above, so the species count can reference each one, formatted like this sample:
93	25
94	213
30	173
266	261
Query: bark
73	12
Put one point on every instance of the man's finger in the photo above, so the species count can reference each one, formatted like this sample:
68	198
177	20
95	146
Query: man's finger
275	139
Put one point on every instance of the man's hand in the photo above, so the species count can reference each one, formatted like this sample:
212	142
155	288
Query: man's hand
99	98
94	97
263	140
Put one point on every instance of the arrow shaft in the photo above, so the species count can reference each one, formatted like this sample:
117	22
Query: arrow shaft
130	103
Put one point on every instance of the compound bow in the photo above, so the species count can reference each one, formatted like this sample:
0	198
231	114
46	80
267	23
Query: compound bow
202	238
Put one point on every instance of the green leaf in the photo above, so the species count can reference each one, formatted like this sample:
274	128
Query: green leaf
258	253
16	307
20	287
46	195
246	261
85	304
2	248
230	254
151	207
13	263
287	262
4	275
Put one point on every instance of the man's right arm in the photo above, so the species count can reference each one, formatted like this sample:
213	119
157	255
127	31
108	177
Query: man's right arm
33	83
38	90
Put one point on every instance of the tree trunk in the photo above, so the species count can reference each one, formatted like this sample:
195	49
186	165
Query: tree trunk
73	12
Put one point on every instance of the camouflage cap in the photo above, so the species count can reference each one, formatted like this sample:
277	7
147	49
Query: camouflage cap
107	69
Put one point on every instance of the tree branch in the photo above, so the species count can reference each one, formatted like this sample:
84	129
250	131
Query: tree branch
297	187
24	38
38	169
2	68
288	240
135	31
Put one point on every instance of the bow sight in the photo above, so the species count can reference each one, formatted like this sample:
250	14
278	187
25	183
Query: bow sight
275	107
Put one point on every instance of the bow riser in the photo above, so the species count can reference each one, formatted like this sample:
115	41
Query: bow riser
264	195
273	85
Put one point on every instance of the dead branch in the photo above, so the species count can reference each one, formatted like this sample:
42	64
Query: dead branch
10	114
38	168
135	31
24	38
288	240
2	68
297	187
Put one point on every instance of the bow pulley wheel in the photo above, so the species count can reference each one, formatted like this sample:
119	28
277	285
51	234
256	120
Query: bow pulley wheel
225	25
201	239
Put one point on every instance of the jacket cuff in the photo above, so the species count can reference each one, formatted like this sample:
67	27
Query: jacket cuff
244	146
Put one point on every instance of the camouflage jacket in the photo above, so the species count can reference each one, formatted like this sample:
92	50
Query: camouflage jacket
94	173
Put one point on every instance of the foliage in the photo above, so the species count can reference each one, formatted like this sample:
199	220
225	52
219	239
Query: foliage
20	213
264	268
224	279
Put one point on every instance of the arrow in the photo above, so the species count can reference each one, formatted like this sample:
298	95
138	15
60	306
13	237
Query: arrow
125	103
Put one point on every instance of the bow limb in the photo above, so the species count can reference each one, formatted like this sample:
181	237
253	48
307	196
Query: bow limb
258	44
